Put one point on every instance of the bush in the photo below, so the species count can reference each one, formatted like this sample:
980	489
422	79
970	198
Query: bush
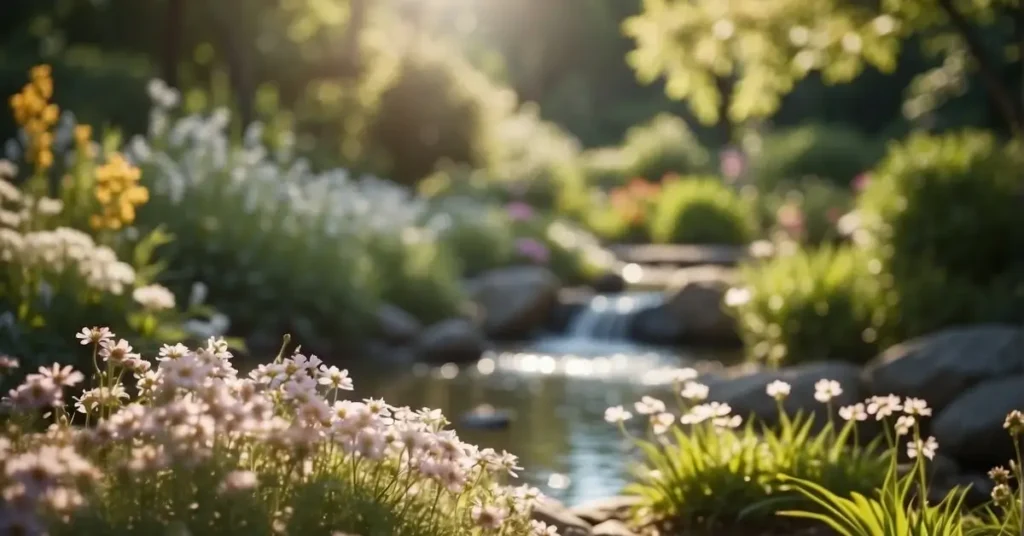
807	211
697	210
809	306
479	235
714	471
837	154
199	449
943	216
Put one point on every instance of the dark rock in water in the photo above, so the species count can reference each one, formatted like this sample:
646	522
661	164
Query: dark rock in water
571	301
693	311
609	283
516	300
451	341
396	325
485	416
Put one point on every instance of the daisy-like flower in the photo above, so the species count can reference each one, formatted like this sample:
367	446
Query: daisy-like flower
778	389
999	475
95	335
925	448
695	392
681	375
854	412
238	481
884	406
825	390
154	297
540	528
904	424
118	352
335	378
62	376
172	352
8	363
617	414
649	405
1014	423
917	407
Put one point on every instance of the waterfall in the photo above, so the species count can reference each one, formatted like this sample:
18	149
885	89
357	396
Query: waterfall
607	316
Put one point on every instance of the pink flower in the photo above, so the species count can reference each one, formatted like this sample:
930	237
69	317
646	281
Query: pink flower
732	163
519	211
860	182
791	218
533	249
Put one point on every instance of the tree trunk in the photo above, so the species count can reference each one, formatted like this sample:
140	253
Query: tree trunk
725	90
175	22
1011	108
353	65
239	68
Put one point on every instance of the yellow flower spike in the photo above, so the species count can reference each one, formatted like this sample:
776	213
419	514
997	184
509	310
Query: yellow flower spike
51	113
83	134
45	159
41	72
104	195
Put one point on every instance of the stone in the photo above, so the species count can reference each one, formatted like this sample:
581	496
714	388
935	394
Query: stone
942	470
978	488
612	528
970	429
571	301
609	283
747	395
600	510
516	300
396	325
485	416
450	341
693	311
940	366
556	514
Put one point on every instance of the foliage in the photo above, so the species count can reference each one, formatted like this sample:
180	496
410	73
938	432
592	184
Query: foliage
415	272
701	210
807	211
809	306
943	216
478	234
624	218
829	152
63	254
735	61
199	449
715	471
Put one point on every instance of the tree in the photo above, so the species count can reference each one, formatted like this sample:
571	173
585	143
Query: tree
764	47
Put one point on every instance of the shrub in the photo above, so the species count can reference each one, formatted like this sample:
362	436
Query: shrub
200	450
829	152
714	471
664	145
416	273
697	210
943	216
807	211
822	304
479	235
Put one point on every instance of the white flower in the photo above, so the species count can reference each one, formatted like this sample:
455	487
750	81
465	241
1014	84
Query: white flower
649	406
335	378
681	375
904	424
488	516
735	297
924	448
617	414
154	297
883	406
661	422
855	412
778	389
916	406
94	336
695	392
540	528
826	390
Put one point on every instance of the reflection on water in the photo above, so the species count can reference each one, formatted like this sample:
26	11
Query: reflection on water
557	390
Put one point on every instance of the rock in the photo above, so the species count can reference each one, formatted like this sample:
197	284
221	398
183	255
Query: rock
516	300
396	325
970	429
941	471
555	513
598	511
610	283
571	301
612	528
979	489
941	366
485	416
693	312
747	394
450	341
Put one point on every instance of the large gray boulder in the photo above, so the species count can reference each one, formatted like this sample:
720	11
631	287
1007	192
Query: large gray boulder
970	429
941	366
693	311
396	325
451	341
515	300
746	392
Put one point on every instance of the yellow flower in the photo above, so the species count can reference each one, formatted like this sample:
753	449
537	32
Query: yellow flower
118	192
36	115
83	134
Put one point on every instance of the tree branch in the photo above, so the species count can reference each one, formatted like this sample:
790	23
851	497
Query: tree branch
1001	95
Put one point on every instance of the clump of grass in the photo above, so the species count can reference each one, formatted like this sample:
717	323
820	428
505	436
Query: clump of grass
186	443
706	469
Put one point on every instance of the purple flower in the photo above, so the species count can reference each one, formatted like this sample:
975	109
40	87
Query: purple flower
860	182
533	249
732	163
519	211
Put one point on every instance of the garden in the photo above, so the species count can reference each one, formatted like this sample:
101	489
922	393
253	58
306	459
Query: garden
450	267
